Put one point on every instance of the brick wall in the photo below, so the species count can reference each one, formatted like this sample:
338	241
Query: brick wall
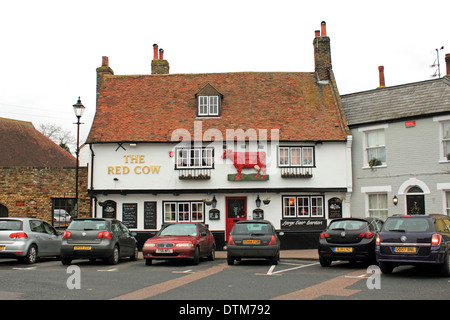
28	191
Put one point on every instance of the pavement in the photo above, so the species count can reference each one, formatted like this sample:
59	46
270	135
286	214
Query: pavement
305	254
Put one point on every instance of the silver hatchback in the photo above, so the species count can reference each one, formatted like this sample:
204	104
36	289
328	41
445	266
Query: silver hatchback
26	239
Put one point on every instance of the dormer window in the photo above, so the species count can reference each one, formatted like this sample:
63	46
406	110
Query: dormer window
208	101
208	105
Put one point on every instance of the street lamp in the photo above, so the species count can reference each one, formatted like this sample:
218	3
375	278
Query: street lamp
78	108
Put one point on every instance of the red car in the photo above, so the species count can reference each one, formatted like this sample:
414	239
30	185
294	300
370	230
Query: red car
180	241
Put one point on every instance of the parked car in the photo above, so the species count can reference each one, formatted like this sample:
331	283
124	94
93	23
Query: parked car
61	218
180	241
28	239
98	238
253	239
349	239
414	240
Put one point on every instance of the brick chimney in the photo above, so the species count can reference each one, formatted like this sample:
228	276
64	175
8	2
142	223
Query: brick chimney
159	65
103	70
381	76
322	53
447	62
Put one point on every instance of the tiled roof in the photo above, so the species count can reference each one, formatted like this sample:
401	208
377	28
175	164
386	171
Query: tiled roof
148	108
398	102
22	145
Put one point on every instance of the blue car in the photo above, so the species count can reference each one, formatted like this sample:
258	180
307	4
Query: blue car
414	240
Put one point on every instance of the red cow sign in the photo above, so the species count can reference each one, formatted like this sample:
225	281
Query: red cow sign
243	160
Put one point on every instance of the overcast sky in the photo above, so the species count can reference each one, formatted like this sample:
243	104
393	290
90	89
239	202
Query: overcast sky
50	49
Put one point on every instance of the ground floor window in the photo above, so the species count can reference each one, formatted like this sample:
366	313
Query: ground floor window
183	211
63	211
447	196
303	206
378	205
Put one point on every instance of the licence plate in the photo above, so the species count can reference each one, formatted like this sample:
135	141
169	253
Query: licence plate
251	241
164	250
2	248
405	249
82	248
343	249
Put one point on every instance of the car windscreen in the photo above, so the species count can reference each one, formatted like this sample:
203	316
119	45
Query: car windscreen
347	225
84	225
408	224
13	225
178	230
251	228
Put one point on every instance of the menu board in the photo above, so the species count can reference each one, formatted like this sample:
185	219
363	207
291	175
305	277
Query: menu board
129	215
150	215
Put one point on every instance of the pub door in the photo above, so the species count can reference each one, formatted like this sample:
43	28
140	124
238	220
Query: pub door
236	211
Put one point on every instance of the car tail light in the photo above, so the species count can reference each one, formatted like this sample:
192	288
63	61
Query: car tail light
367	235
273	241
378	239
436	240
230	240
18	235
324	235
104	235
66	235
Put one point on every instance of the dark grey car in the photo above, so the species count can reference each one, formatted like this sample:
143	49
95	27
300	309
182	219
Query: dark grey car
26	239
253	239
98	238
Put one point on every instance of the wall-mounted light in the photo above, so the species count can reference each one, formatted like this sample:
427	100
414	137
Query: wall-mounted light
116	179
171	153
395	200
258	202
214	202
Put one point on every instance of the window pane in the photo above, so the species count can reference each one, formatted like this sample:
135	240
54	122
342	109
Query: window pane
308	157
378	205
197	211
284	156
296	156
289	207
303	206
213	105
207	158
202	105
182	158
375	138
195	158
183	211
169	212
316	206
446	129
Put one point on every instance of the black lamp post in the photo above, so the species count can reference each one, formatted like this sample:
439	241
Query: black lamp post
78	108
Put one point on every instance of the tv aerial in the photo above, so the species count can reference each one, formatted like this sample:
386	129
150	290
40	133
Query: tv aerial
437	65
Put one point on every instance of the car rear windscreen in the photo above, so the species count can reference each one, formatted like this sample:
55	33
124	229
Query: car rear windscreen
10	225
84	225
347	225
406	224
251	228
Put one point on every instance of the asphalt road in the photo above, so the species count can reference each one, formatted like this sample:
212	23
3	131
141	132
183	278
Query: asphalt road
250	280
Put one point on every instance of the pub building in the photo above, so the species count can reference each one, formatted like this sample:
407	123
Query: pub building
221	147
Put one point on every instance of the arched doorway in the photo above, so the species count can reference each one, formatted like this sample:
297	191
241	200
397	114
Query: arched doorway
3	211
415	201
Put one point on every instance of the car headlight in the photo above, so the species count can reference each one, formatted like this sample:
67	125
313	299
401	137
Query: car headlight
148	245
185	245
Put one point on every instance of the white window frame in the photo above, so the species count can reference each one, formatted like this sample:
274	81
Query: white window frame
379	212
208	106
315	206
364	132
442	140
192	158
184	211
285	158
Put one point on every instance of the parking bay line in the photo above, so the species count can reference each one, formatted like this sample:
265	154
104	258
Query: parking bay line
271	272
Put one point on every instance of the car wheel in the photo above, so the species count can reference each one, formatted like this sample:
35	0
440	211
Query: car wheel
274	260
148	262
386	267
324	262
445	267
134	257
114	258
212	256
66	261
196	259
31	255
230	260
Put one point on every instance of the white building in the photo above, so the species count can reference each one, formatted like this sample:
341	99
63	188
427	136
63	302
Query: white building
163	147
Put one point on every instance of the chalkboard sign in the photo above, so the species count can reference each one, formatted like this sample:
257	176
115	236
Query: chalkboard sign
129	215
150	215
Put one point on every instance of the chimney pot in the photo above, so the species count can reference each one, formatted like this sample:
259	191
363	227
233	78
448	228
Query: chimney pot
381	74
105	62
323	29
317	33
447	62
155	52
161	54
